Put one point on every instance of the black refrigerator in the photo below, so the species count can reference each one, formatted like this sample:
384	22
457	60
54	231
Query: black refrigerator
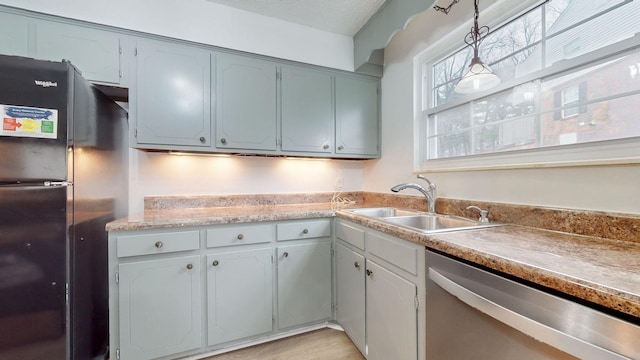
63	176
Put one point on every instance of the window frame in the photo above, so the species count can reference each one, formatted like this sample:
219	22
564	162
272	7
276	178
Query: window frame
607	152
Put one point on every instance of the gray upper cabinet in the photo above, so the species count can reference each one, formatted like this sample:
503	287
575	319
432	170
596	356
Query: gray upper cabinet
245	103
307	113
14	35
200	98
357	116
172	95
95	53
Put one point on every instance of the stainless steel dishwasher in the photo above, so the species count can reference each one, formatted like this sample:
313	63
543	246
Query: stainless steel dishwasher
475	314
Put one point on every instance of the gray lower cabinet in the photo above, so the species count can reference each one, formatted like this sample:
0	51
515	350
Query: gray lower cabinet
245	103
304	272
160	308
172	95
391	319
175	292
380	284
304	284
307	113
239	294
350	294
357	116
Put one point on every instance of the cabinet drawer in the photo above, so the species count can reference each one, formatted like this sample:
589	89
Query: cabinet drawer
350	234
304	229
239	235
398	252
157	243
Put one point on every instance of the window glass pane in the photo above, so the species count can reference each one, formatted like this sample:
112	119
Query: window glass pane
505	121
618	24
598	103
450	130
512	38
447	73
517	65
562	14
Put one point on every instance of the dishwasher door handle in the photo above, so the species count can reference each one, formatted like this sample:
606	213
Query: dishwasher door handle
541	332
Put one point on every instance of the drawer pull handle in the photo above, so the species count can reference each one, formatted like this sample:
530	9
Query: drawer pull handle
286	254
223	141
159	244
203	139
189	266
369	273
340	147
215	263
325	146
240	236
356	265
305	231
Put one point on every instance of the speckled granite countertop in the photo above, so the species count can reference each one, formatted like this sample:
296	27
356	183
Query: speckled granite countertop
602	271
171	218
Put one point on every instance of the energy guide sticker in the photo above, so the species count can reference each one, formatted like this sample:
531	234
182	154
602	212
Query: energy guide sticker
24	121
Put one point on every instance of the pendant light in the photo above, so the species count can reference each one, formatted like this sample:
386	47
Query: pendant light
479	76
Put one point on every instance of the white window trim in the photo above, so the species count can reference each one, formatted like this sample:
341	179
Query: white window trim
612	152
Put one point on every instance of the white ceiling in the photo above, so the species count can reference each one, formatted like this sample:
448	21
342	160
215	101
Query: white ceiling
344	17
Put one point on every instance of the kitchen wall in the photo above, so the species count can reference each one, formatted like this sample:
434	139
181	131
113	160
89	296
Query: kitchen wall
160	174
209	23
604	188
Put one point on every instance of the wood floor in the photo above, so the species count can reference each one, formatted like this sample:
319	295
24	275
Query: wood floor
323	344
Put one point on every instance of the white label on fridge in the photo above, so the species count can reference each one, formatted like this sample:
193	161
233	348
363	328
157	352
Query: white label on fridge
25	121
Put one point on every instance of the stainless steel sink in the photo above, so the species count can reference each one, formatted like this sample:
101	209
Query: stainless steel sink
427	223
433	223
382	212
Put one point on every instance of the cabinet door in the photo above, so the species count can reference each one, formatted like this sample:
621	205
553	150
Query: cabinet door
391	318
173	94
14	35
357	116
245	103
160	307
350	279
239	294
95	53
304	283
307	110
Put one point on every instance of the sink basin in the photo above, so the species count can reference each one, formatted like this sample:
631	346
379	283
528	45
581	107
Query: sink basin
437	223
382	212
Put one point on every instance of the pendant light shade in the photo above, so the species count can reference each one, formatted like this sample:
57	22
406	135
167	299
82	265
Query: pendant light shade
479	76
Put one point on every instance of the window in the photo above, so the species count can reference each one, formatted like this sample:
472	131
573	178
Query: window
570	83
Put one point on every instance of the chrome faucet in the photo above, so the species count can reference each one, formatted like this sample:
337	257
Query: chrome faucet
429	192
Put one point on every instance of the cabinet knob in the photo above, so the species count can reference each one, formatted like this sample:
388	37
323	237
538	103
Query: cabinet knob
369	273
189	266
340	147
203	139
159	244
215	263
305	231
223	140
356	265
325	146
240	236
286	254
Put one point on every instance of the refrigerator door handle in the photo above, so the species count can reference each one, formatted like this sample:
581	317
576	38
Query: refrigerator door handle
58	183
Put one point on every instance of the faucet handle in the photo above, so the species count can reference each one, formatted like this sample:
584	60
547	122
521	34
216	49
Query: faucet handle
483	213
432	186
